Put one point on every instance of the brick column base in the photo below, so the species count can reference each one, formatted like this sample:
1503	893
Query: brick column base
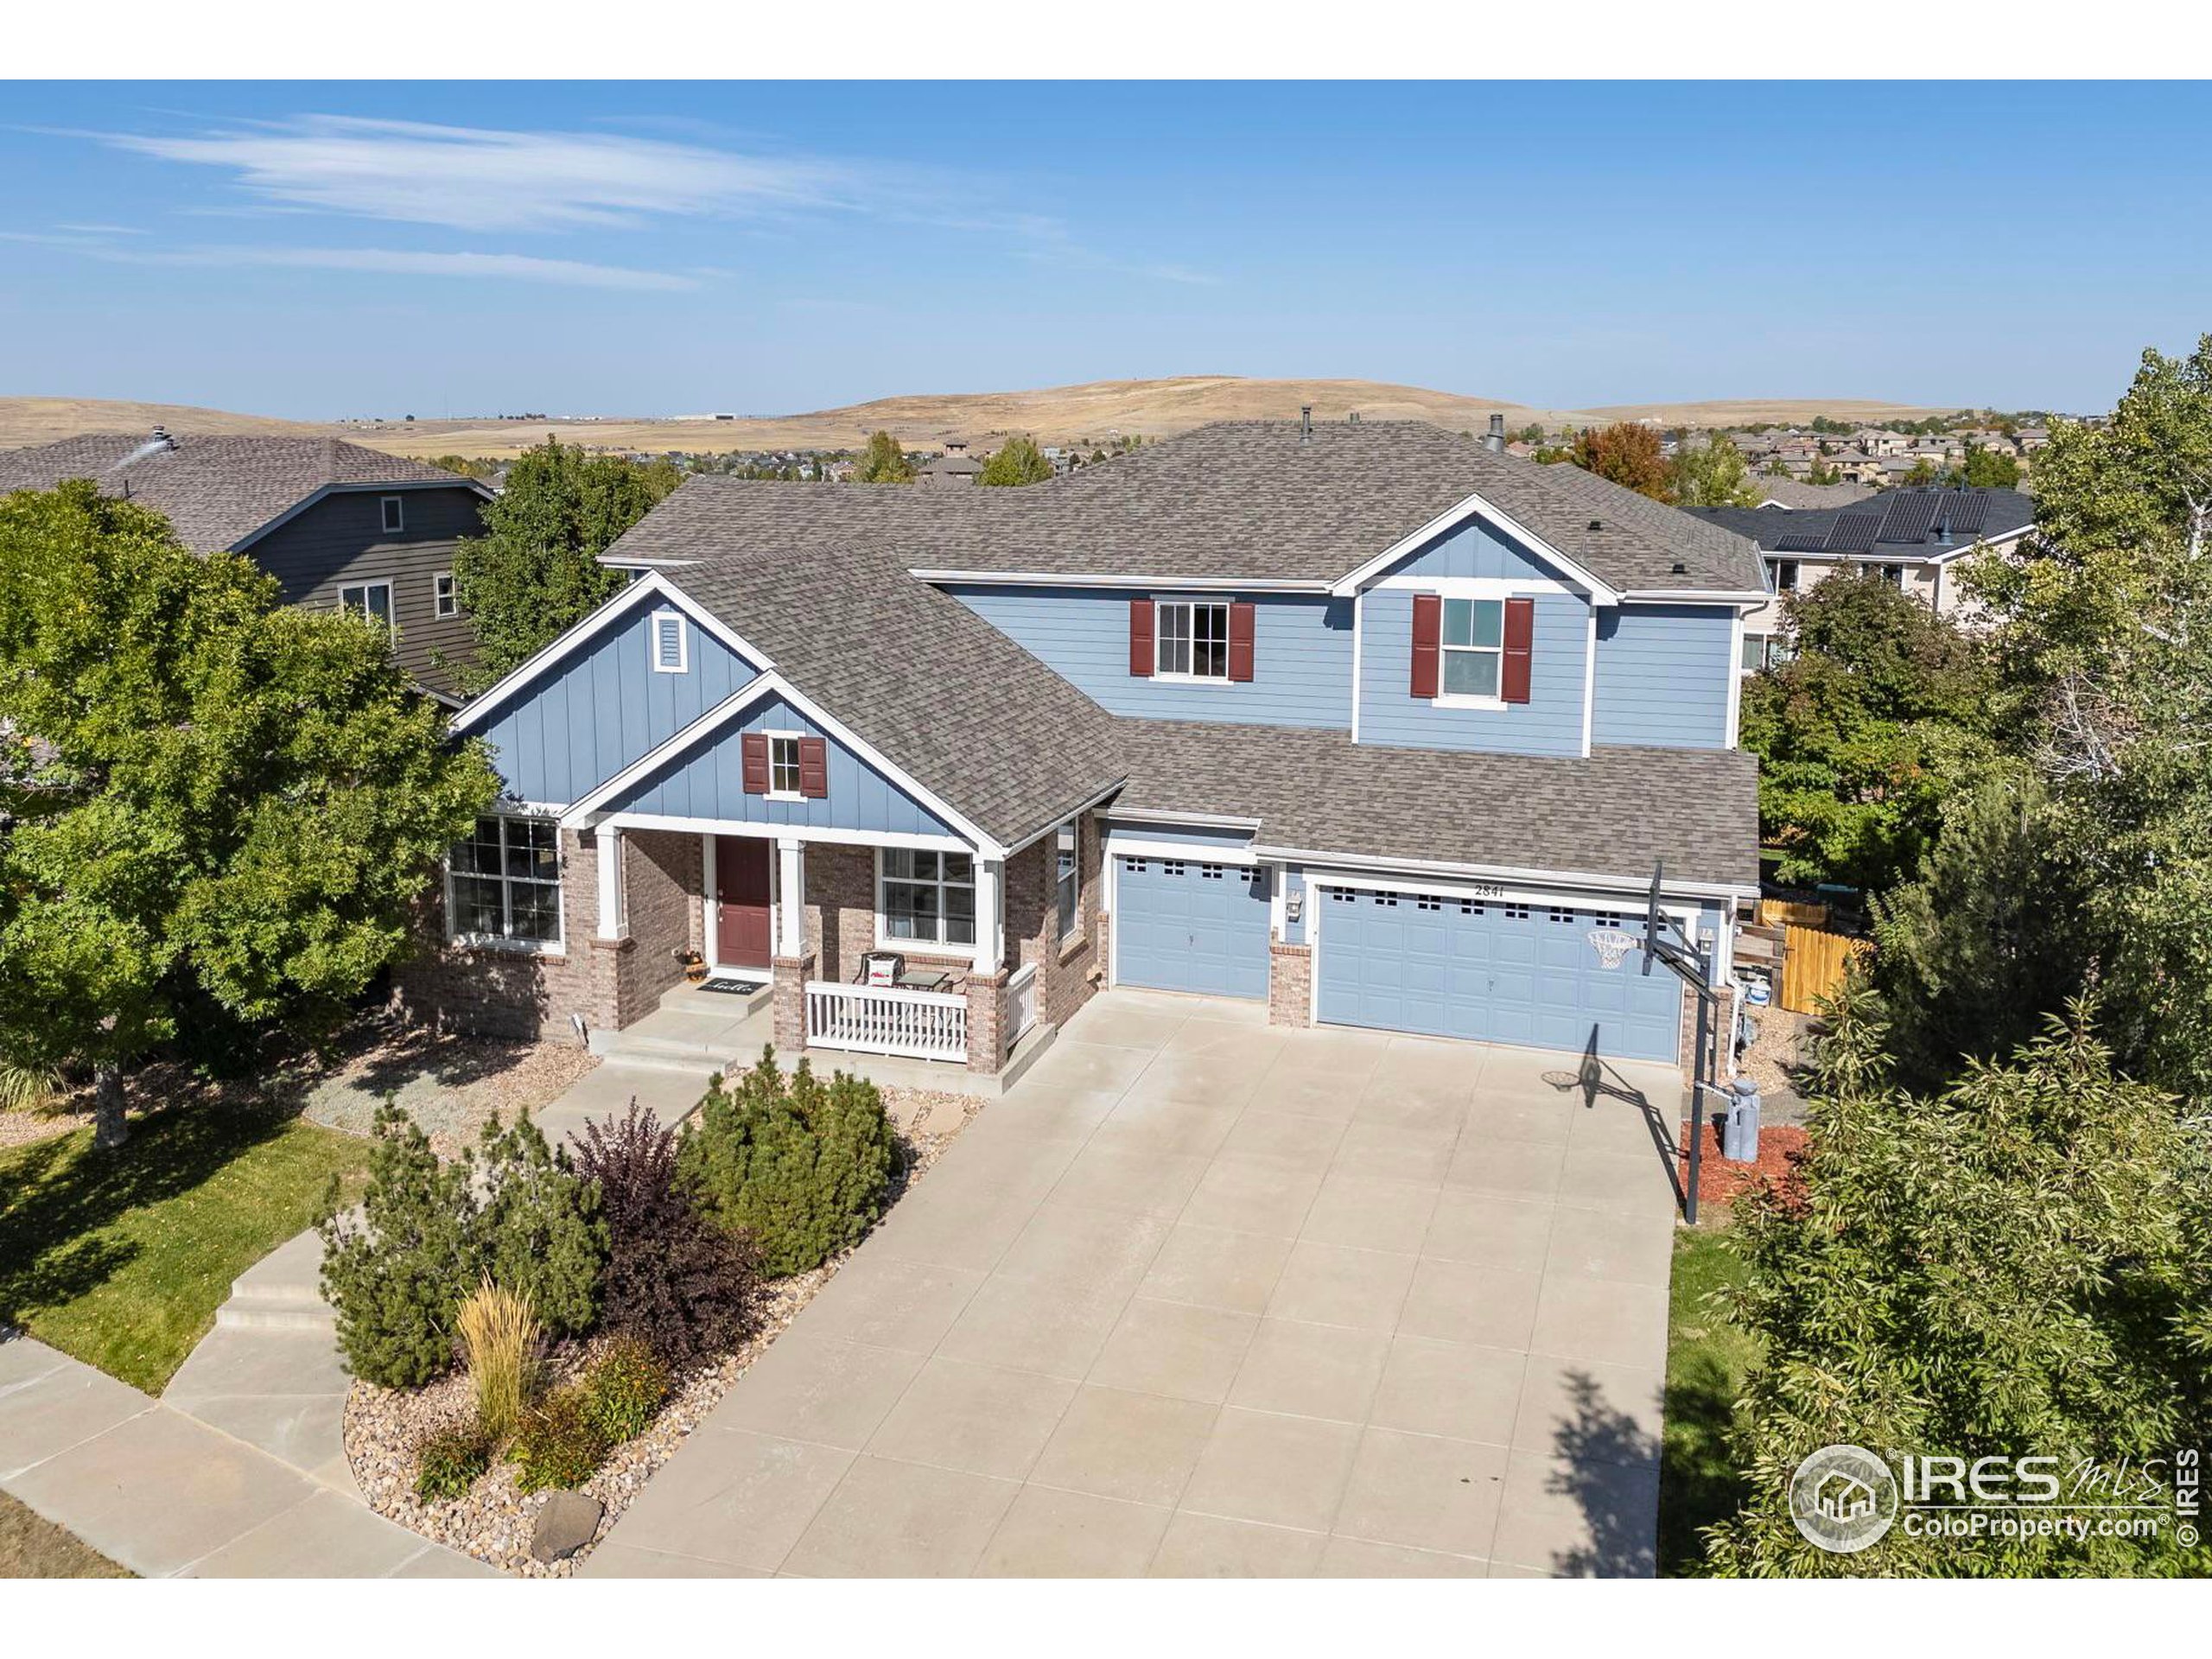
1290	984
787	977
987	1022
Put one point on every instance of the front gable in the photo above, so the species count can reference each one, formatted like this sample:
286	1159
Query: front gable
705	780
585	713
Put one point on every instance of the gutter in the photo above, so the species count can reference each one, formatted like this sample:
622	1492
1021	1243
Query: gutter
1717	890
1147	582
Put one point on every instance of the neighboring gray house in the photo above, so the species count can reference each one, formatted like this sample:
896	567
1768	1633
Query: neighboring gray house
955	465
336	524
1367	723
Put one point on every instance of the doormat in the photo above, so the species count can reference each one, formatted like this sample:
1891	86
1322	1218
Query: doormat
742	987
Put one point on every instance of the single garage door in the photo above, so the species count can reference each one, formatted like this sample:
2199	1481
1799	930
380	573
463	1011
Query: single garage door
1492	971
1181	925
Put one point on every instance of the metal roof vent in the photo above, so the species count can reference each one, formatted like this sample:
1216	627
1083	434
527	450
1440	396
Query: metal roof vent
160	443
1305	422
1494	441
1678	569
1596	523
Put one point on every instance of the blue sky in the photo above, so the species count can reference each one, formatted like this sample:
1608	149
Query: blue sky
326	250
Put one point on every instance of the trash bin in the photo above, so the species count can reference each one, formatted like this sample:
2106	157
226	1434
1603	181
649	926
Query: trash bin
1740	1122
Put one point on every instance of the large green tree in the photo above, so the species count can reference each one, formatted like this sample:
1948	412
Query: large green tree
1629	453
2020	1265
536	568
1863	733
204	793
883	462
1016	461
1711	474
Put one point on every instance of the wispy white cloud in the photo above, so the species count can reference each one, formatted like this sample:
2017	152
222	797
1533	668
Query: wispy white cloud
405	262
105	230
483	178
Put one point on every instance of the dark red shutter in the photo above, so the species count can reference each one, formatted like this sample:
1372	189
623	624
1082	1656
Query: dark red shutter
1428	629
1240	641
1519	636
754	748
1140	638
813	768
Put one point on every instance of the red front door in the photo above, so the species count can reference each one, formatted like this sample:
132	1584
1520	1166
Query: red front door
741	936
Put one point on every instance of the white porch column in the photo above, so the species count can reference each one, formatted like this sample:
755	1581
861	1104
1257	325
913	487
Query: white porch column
711	913
790	899
991	914
610	881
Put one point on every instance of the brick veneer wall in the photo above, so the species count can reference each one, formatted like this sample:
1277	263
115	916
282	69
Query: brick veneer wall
662	872
1067	974
1290	984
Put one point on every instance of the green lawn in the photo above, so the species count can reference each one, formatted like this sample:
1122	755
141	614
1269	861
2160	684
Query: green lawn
121	1258
32	1547
1706	1357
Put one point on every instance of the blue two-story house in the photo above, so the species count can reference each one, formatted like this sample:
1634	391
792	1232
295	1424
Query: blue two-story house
1370	722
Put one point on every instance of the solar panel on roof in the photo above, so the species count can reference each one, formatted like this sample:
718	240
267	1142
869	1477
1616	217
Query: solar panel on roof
1966	514
1911	513
1853	532
1803	541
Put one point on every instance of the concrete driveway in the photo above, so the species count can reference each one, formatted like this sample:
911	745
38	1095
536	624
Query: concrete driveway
1200	1297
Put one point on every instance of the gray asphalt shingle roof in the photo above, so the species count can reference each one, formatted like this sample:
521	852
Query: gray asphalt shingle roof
1248	499
214	491
1611	814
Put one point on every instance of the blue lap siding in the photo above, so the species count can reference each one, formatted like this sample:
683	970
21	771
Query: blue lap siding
602	708
1550	722
1302	653
1666	676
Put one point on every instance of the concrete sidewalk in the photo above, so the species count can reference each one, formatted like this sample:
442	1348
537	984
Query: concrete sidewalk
168	1495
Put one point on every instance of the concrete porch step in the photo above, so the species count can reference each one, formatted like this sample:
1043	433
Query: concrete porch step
281	1292
686	997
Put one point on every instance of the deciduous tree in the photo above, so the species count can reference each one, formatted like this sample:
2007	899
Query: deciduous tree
1016	461
1711	474
203	792
1628	453
883	462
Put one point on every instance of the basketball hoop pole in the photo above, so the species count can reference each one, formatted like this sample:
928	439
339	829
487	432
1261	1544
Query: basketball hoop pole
1683	953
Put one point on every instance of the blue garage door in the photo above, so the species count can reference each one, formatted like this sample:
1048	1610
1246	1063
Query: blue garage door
1495	972
1181	925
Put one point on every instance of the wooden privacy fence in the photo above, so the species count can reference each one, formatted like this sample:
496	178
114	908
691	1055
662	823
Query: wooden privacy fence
1792	913
1813	963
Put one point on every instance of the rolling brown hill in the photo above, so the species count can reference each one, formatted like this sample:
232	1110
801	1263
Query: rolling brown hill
1096	412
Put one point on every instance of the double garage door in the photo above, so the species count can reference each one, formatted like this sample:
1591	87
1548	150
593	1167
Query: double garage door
1493	971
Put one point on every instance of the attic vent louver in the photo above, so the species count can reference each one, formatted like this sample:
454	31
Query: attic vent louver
1596	523
1678	569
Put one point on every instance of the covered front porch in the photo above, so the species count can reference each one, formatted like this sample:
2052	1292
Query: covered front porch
855	942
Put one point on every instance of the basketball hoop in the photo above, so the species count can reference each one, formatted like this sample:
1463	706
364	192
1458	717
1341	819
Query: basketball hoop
1612	945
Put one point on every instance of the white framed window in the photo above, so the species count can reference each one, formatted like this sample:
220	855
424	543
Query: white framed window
444	601
1785	574
924	896
671	643
782	766
1471	650
1192	640
1067	877
503	884
369	599
1754	658
395	515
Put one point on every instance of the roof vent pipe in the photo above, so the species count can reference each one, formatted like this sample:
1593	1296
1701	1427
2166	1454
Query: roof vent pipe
1305	422
1495	442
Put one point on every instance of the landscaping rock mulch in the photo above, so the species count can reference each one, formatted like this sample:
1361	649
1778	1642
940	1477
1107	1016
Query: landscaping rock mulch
23	1128
496	1523
449	1084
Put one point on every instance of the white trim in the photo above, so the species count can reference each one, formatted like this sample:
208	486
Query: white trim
589	627
1118	846
1474	505
1196	820
1087	806
390	617
683	664
608	838
1461	700
1141	582
1109	903
1536	898
635	563
447	604
1165	676
734	704
711	905
558	946
327	490
990	878
780	831
1359	631
775	737
941	947
1420	869
1278	904
788	918
1697	595
1474	586
389	506
1589	681
1735	680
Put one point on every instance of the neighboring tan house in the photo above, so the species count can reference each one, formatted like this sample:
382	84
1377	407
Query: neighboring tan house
955	465
1912	538
337	524
1368	724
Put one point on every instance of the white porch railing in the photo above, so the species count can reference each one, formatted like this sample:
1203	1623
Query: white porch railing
1021	993
884	1020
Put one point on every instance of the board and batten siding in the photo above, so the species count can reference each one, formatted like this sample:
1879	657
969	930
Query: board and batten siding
1550	722
1666	674
707	782
341	540
1475	549
1302	653
602	708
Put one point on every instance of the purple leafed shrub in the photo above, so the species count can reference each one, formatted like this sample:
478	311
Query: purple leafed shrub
674	1280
